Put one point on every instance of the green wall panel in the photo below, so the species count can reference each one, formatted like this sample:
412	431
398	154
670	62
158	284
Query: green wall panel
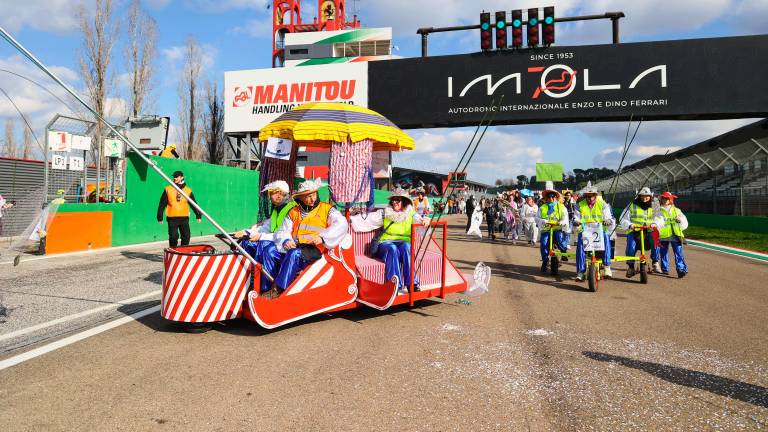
755	224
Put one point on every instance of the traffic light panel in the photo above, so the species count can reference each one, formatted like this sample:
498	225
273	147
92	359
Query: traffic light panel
548	25
533	27
501	30
517	28
485	31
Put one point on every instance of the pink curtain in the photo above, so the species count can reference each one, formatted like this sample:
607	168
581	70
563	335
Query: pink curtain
350	171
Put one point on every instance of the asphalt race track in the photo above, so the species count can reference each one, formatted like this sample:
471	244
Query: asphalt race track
535	353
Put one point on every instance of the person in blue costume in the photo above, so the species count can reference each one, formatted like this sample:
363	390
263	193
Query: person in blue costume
394	247
552	219
259	240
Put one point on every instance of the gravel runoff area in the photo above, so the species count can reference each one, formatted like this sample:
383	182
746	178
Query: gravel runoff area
535	353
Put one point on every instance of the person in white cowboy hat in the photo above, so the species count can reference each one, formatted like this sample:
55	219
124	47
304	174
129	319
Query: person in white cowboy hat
310	229
593	210
259	240
641	212
552	219
393	245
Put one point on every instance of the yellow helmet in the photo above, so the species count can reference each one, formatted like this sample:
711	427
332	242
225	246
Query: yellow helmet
173	146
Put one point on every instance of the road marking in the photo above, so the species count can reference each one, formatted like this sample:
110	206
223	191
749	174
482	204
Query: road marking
729	250
45	349
37	327
101	250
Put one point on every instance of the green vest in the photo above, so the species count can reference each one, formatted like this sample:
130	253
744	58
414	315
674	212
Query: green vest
670	224
640	217
277	218
554	218
591	215
398	230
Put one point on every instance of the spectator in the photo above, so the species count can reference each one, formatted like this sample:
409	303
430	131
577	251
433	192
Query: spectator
177	210
170	152
470	209
528	213
4	205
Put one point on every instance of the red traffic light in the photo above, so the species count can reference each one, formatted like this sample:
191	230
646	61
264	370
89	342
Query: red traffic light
485	31
517	28
501	30
548	25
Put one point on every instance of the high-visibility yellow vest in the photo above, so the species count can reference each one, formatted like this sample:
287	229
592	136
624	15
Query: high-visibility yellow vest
177	204
553	218
640	217
167	153
398	230
277	218
591	215
310	225
670	224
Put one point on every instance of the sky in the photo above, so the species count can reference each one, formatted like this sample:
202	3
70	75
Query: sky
236	34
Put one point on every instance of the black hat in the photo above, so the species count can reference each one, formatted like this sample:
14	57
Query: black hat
178	174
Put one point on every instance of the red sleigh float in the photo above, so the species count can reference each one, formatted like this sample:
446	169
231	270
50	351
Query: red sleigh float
201	284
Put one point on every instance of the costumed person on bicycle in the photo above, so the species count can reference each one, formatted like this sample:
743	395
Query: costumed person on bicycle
671	233
311	228
641	212
551	220
394	243
570	205
592	210
259	240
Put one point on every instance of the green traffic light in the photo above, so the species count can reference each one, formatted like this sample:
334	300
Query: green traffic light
501	24
485	26
533	22
517	23
549	20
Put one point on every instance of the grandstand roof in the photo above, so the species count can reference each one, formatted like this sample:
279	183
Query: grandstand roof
756	130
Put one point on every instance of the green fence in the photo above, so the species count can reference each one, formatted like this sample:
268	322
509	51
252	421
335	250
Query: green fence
229	195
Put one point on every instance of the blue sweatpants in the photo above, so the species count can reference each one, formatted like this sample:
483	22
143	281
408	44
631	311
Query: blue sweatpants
677	249
559	243
633	243
581	256
397	261
265	252
292	264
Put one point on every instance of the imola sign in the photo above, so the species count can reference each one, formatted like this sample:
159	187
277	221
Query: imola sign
685	79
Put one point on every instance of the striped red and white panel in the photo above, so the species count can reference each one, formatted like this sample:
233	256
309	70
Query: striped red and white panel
362	240
373	270
204	288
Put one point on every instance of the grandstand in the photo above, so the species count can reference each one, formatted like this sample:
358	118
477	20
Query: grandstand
727	174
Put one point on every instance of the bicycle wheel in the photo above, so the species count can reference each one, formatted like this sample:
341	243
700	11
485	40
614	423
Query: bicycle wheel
643	273
554	263
592	279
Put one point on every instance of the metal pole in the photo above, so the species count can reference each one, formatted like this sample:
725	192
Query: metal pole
424	43
615	25
141	155
45	170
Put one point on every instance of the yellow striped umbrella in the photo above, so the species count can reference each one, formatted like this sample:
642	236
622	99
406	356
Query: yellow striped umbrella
322	123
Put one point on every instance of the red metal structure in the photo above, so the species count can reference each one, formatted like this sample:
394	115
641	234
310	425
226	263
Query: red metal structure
286	18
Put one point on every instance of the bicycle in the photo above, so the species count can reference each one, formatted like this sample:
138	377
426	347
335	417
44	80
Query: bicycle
643	260
555	255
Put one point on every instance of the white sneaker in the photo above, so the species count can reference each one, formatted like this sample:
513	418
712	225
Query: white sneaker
580	277
607	272
656	267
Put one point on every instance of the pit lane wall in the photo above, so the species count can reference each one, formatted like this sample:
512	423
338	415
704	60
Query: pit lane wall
227	194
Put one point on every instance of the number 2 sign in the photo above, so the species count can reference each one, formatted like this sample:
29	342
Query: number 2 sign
592	237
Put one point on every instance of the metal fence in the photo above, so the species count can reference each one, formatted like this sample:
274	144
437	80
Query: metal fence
729	181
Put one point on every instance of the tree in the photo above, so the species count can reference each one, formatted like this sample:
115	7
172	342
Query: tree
10	139
140	53
214	124
189	100
27	149
522	181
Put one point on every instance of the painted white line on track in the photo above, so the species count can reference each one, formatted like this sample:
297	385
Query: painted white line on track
45	349
64	319
98	251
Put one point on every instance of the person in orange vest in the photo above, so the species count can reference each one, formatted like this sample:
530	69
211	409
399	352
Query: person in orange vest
176	209
311	228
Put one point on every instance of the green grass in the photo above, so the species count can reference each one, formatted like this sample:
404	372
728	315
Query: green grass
740	239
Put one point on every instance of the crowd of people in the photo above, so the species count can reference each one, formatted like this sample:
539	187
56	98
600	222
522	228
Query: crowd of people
563	215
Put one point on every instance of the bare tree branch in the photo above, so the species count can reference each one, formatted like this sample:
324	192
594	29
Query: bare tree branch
214	124
10	139
190	111
140	53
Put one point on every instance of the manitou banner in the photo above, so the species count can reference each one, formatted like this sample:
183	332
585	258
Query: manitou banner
685	79
253	98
